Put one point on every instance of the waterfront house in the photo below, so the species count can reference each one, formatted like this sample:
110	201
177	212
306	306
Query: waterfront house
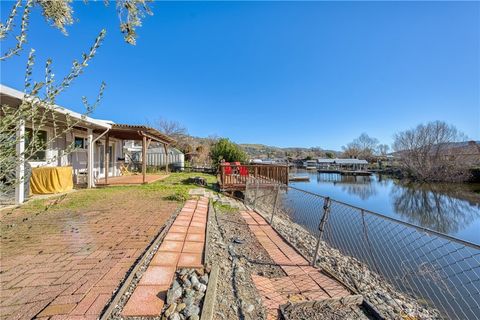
98	144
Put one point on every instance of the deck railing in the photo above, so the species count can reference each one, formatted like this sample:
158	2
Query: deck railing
235	177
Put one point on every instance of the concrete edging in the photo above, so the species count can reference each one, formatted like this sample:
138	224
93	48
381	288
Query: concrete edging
209	301
207	233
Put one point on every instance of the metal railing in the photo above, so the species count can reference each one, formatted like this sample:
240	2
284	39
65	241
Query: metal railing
437	271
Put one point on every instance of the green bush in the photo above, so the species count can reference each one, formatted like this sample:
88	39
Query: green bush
226	150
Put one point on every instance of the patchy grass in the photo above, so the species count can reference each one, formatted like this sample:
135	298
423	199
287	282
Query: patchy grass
177	185
224	208
173	188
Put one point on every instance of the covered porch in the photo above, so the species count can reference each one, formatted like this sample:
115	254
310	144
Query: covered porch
141	133
91	148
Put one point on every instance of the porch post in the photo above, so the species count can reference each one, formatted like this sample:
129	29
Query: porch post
165	146
90	183
144	159
107	157
20	170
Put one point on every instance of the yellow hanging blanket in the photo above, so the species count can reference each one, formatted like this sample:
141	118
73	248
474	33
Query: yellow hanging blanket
51	180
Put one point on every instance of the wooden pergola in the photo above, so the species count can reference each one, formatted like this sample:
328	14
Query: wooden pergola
137	132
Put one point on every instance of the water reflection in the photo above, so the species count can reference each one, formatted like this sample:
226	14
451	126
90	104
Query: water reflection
431	207
448	208
360	186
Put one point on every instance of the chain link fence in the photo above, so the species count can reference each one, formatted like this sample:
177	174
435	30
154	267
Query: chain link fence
398	266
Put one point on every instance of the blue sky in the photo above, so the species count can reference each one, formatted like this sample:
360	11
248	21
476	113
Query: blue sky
277	73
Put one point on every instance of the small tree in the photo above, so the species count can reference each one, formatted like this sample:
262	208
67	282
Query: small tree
38	106
329	155
60	14
226	150
426	153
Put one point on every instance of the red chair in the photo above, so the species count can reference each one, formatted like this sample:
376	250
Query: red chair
243	171
227	168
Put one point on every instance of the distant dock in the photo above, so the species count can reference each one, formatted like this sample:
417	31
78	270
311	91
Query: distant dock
346	172
298	178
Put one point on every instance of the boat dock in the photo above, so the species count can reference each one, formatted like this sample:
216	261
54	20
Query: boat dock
346	172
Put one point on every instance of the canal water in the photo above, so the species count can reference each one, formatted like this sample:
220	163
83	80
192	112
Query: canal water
453	209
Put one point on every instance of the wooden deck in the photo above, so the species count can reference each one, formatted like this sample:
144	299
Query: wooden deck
130	180
236	177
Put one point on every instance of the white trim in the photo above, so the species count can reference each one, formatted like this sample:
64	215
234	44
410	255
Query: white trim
90	182
20	95
85	141
20	170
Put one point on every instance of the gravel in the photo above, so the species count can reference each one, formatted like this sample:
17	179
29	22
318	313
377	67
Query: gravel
185	296
325	312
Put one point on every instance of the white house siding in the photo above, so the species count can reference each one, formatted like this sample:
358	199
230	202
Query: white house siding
56	155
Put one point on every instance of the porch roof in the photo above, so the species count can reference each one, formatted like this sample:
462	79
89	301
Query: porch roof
14	97
137	132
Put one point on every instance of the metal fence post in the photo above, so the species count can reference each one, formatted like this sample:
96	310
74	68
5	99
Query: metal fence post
275	203
321	227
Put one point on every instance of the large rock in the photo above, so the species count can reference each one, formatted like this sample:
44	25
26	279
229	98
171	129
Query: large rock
204	279
191	310
174	293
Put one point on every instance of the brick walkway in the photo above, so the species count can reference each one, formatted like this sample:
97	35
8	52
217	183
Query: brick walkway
66	265
302	282
182	247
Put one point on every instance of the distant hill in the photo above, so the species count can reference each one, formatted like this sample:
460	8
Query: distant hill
264	151
190	146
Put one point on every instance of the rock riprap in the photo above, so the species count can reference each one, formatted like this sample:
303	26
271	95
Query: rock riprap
185	297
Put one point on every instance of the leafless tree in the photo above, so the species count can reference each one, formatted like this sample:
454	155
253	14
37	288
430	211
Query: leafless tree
172	128
427	152
177	131
383	149
363	147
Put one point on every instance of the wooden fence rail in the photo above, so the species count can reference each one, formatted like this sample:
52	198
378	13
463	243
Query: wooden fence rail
235	177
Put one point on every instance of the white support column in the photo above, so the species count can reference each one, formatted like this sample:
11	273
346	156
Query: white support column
20	170
90	182
165	147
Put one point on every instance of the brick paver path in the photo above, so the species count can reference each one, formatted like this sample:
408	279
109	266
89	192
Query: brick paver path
302	282
66	265
183	247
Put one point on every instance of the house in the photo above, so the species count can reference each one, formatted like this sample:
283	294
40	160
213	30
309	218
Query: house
98	144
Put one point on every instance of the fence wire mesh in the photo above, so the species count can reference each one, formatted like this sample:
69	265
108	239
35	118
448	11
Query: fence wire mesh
438	270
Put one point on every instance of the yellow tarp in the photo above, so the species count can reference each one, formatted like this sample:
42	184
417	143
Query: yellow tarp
51	180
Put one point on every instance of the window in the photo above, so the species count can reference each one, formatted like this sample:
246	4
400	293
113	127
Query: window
79	143
37	151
